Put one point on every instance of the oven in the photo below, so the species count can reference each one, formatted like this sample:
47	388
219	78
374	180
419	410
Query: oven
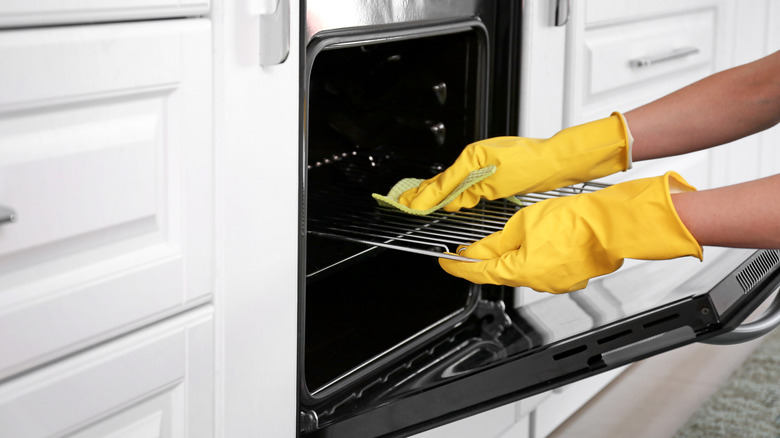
389	344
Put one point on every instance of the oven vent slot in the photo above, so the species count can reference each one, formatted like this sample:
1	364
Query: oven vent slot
436	234
755	271
570	352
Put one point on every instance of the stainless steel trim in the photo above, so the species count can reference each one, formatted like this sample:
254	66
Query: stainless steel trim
326	15
7	215
752	330
647	61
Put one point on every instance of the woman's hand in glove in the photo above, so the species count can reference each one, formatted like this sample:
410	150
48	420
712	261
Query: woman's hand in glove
525	165
559	244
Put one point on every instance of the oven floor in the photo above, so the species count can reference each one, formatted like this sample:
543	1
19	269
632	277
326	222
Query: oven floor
672	386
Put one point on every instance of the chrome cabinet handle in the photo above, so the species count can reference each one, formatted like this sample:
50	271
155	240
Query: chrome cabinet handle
7	215
274	31
647	61
562	12
752	330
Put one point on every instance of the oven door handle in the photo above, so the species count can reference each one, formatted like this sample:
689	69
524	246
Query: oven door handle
751	330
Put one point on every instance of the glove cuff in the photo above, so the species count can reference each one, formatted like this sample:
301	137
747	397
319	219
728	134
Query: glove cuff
654	230
674	183
629	140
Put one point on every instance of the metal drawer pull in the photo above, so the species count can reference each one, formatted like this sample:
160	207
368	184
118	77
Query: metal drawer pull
752	330
7	215
674	54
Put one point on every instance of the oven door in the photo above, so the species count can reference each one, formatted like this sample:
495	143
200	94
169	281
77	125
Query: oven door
627	316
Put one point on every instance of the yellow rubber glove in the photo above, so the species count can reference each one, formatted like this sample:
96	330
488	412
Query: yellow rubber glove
524	165
559	244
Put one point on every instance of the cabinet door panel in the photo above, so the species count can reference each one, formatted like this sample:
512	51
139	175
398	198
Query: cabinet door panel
615	52
16	13
625	54
107	160
155	383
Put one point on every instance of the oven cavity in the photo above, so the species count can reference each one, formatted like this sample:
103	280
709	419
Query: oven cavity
377	322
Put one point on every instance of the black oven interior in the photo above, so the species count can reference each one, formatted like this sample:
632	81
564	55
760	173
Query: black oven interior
379	111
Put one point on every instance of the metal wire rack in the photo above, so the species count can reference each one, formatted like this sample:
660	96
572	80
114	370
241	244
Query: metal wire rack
438	234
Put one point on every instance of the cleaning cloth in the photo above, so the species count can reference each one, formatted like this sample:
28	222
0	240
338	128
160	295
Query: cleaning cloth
391	199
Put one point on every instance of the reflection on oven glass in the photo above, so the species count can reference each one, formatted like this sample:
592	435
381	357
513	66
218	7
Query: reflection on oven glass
637	287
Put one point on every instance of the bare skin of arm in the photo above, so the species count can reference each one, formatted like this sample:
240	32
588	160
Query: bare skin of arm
745	215
718	109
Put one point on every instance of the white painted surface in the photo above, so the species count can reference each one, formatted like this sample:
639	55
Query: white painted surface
599	78
543	58
155	383
106	157
17	13
257	224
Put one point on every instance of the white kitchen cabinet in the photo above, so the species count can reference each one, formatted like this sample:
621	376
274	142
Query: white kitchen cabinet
606	44
106	157
26	13
154	383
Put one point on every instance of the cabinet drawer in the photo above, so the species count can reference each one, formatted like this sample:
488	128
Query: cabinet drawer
156	383
106	158
17	13
636	53
682	42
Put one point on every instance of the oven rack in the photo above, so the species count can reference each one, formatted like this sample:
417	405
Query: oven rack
438	234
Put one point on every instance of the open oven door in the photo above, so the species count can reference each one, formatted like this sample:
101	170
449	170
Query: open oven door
639	311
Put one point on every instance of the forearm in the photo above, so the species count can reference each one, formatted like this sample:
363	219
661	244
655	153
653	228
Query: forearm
744	215
718	109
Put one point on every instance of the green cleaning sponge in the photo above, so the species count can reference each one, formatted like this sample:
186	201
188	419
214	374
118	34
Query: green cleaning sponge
391	199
